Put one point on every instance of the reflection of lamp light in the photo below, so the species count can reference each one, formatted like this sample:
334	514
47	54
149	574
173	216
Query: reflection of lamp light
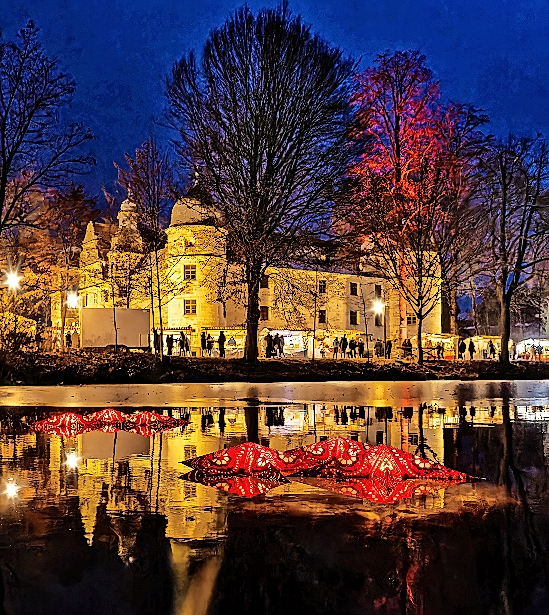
11	488
12	280
72	300
72	461
378	306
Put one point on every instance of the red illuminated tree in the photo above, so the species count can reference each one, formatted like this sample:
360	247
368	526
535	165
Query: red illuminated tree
411	201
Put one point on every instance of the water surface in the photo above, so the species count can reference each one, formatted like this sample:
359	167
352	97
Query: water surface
122	533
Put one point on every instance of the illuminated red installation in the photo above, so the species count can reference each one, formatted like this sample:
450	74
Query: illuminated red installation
247	458
312	457
69	424
379	473
241	485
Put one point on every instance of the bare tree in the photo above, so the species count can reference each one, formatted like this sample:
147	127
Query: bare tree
515	175
263	122
36	150
149	182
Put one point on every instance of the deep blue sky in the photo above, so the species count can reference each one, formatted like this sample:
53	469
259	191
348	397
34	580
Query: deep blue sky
492	53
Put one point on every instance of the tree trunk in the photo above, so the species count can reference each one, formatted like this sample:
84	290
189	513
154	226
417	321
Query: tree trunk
159	297
505	327
403	318
419	339
253	277
151	291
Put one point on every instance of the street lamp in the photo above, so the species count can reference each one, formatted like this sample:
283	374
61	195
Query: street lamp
12	280
379	308
12	283
72	300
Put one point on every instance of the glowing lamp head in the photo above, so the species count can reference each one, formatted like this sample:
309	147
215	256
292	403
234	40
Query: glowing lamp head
72	461
72	300
12	280
12	488
378	306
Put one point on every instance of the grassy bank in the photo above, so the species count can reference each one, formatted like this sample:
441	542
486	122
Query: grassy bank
110	368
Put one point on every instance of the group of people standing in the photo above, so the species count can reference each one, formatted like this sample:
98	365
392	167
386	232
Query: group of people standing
274	345
207	343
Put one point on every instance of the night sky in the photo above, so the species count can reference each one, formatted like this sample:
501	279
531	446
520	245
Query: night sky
492	53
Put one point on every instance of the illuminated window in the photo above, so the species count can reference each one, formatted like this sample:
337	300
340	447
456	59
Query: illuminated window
411	319
264	281
263	312
189	451
354	289
189	272
322	287
189	306
353	317
322	317
377	291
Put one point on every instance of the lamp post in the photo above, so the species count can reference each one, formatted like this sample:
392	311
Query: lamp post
12	283
379	308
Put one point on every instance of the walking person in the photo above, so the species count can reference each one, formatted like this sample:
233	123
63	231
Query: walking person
343	343
182	350
169	344
209	344
378	347
268	345
491	349
203	343
335	346
388	349
68	340
221	344
472	349
462	348
156	341
360	347
281	345
276	345
352	349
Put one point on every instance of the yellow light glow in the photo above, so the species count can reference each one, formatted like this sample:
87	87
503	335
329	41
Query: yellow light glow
72	300
72	461
378	306
11	489
12	280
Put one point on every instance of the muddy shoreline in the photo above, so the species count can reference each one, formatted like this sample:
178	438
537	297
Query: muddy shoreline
120	368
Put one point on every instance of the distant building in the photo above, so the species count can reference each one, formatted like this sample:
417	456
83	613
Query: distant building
200	288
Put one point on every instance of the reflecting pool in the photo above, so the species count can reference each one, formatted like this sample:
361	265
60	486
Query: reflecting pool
101	522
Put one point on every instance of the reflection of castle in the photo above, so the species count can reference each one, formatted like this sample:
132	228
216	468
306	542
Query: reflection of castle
202	289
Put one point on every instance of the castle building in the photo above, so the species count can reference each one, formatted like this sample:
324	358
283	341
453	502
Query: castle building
200	290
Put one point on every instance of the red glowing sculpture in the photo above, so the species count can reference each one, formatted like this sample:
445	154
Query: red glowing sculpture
379	473
69	424
247	459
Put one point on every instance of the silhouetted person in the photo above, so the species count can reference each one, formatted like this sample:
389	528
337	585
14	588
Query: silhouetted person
472	349
221	344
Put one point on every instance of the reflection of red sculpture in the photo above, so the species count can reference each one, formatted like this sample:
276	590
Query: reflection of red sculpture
384	492
380	473
109	420
244	486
